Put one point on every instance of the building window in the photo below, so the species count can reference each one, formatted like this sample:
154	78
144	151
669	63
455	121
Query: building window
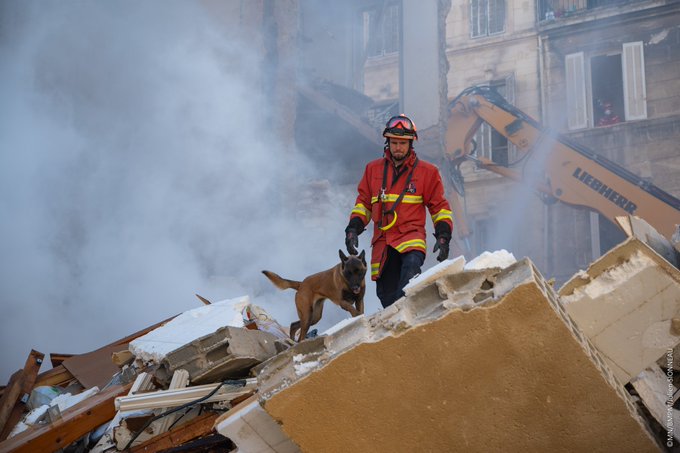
490	143
380	30
614	92
607	88
550	10
487	17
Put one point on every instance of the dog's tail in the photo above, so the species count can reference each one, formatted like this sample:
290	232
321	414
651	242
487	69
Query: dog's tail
280	282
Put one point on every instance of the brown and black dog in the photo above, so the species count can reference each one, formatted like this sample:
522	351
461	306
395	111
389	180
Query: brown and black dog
344	284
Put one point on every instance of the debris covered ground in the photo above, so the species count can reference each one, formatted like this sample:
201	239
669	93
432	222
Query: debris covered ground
483	356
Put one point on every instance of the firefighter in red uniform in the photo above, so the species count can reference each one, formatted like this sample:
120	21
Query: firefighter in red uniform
394	192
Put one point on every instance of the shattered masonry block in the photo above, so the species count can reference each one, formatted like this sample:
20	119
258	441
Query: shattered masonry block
186	327
483	360
255	429
433	273
230	352
625	304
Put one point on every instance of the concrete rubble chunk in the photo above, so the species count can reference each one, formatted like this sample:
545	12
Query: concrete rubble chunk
152	347
230	352
652	387
484	360
625	303
209	342
255	429
636	227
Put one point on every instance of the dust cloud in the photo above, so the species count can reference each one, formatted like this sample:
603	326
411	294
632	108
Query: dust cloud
136	169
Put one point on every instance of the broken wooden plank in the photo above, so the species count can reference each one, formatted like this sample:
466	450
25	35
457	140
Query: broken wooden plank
59	376
10	397
200	426
210	443
75	423
204	300
31	368
130	428
57	359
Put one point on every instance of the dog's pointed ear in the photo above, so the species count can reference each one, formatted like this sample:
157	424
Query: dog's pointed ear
343	257
362	255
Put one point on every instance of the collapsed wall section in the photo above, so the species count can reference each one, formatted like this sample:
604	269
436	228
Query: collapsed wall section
477	361
625	303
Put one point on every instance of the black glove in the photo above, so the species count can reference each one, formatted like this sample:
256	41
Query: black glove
443	236
352	241
443	246
352	232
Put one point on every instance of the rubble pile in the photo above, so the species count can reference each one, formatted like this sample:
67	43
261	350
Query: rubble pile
159	388
483	356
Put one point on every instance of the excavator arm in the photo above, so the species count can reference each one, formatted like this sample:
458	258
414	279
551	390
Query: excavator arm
557	167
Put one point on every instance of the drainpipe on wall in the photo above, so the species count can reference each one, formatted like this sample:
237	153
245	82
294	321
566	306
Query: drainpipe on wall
547	209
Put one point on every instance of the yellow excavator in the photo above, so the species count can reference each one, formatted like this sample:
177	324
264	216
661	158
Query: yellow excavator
558	168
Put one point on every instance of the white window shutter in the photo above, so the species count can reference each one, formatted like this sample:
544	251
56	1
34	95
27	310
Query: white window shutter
475	18
634	90
366	36
577	110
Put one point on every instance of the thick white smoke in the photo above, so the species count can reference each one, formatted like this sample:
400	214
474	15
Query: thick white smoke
136	169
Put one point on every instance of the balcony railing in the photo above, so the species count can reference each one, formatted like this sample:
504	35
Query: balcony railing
550	10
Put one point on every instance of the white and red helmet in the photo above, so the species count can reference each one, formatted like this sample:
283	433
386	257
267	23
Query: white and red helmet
400	126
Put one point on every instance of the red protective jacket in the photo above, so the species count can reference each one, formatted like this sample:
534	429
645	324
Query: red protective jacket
407	233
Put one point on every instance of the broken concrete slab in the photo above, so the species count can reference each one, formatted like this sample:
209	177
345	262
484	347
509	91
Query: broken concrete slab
636	227
491	348
186	327
655	388
209	342
433	273
254	429
230	352
625	304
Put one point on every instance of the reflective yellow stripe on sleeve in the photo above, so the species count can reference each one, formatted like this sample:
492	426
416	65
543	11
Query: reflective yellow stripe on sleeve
418	243
441	215
375	268
361	210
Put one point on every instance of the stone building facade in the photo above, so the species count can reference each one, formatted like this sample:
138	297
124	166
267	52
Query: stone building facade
563	62
621	55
